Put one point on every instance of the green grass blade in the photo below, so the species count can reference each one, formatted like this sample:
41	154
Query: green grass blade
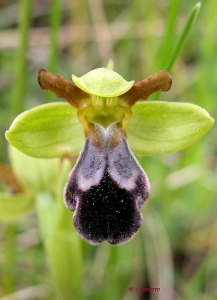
55	24
179	44
169	32
183	36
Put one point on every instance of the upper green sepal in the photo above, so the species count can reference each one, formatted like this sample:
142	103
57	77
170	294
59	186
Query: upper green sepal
103	82
162	127
47	131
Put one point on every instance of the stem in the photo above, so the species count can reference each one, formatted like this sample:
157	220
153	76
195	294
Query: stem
21	62
10	258
45	206
62	244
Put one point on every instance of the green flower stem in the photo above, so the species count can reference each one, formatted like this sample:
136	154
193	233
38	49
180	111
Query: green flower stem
10	258
62	244
64	247
21	62
65	257
183	36
55	24
45	206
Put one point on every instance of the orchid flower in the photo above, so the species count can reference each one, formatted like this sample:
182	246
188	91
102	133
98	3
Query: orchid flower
106	115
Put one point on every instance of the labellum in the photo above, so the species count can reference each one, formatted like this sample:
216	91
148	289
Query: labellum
106	188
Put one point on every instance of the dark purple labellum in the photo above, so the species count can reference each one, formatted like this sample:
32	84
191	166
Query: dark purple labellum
106	188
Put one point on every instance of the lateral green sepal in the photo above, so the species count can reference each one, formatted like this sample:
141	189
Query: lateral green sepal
159	127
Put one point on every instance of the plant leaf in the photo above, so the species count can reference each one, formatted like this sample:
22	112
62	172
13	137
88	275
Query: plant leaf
47	131
163	127
15	206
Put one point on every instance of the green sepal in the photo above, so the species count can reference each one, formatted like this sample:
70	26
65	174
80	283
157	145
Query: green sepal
47	131
15	206
103	82
160	127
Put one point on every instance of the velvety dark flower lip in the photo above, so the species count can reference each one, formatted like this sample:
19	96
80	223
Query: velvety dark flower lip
106	188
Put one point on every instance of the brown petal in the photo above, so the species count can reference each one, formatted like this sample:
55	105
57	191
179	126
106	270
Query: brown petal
159	82
62	88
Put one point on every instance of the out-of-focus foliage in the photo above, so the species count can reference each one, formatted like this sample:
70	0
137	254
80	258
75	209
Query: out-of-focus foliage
176	248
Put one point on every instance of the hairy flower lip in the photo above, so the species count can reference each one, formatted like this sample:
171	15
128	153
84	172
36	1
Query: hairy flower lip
106	188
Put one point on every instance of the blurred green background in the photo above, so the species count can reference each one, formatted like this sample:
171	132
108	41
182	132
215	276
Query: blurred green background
176	247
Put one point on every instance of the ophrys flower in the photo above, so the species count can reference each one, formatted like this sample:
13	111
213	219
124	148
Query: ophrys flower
107	186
